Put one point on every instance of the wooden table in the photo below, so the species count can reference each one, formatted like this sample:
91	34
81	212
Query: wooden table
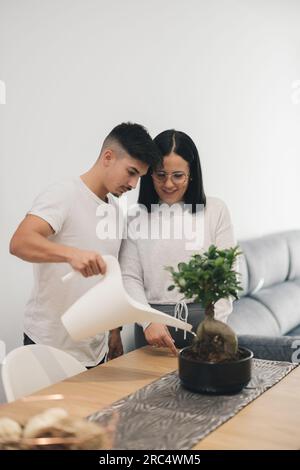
272	421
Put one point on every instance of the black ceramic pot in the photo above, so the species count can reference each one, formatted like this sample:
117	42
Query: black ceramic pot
217	378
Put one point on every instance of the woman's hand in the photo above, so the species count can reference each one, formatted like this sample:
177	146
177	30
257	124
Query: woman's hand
158	335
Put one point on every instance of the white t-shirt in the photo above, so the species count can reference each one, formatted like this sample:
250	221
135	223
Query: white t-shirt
143	260
79	219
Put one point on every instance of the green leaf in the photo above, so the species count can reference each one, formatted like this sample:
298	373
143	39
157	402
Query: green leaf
209	276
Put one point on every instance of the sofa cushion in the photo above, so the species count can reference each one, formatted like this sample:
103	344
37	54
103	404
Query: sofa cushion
267	260
293	242
294	331
274	348
283	300
250	317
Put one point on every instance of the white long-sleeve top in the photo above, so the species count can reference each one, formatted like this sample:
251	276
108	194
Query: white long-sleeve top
143	260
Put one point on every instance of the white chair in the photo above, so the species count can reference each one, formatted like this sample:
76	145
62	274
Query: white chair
30	368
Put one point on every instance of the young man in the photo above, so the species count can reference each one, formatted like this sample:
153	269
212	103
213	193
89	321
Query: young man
61	231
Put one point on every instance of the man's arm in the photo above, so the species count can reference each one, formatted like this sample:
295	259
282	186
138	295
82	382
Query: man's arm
30	243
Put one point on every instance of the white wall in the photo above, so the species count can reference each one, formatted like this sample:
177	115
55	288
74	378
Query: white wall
221	70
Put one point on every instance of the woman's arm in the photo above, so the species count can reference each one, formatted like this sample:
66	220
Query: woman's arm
156	334
132	270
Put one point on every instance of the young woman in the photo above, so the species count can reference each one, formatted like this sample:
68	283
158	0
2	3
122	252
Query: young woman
172	193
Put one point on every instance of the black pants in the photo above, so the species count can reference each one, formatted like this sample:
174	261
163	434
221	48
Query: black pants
27	341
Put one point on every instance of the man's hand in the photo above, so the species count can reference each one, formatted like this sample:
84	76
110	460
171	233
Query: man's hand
88	263
115	346
158	335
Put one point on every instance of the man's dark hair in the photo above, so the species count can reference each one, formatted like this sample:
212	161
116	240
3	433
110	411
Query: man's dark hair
136	141
180	143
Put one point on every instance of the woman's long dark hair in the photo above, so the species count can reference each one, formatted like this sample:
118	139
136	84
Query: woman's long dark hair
180	143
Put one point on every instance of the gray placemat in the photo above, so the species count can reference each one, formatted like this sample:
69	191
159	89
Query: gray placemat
164	416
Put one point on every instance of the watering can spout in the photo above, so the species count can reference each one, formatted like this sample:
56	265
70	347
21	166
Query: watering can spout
107	306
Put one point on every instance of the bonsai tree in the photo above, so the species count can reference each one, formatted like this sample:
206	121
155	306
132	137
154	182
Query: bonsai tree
207	278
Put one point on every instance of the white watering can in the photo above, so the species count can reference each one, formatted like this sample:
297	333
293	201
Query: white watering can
107	306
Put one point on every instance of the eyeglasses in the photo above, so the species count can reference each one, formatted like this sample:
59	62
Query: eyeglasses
177	177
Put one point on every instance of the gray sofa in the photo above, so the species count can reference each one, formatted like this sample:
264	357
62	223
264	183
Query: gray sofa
270	302
269	306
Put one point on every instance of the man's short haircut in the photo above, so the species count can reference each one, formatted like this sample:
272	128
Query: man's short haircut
136	141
